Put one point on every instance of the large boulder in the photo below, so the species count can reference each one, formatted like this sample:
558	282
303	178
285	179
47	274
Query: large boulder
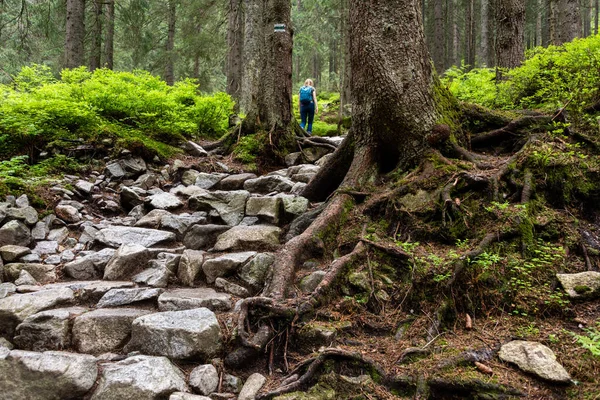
104	330
139	378
121	297
202	237
534	358
208	181
129	167
249	237
188	334
132	197
47	330
190	266
28	215
268	183
188	299
14	309
235	182
582	285
230	205
128	260
225	264
92	291
52	375
255	272
43	273
16	233
164	201
152	219
268	209
118	235
90	266
156	277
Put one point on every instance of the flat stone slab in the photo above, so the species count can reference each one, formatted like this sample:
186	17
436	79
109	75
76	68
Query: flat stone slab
127	260
47	330
248	238
52	375
225	264
91	290
42	273
582	285
121	297
90	266
104	330
165	201
534	358
188	334
187	299
268	183
230	205
139	378
120	235
12	252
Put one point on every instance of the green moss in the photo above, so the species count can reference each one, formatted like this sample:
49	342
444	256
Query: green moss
448	109
582	289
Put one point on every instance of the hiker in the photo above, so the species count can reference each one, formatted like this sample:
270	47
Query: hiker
308	105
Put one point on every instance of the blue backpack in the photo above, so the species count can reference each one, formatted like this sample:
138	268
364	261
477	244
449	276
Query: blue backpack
306	94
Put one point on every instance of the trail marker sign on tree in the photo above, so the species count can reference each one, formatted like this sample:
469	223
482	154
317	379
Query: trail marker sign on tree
279	27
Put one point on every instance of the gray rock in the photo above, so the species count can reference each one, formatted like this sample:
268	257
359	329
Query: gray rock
581	285
104	330
90	266
139	378
187	299
119	235
6	289
15	232
25	279
12	252
92	291
28	215
67	213
248	237
5	343
45	247
323	160
294	159
187	396
208	181
88	234
67	256
84	186
177	334
47	330
249	221
165	201
232	383
137	212
229	204
39	231
534	358
293	205
298	188
155	277
31	258
131	197
40	272
190	266
310	282
58	235
252	386
268	183
129	167
188	191
53	259
179	224
232	288
22	201
128	260
152	219
146	181
255	272
304	169
225	264
52	375
268	209
313	154
189	177
235	182
203	237
204	379
121	297
194	149
14	309
168	260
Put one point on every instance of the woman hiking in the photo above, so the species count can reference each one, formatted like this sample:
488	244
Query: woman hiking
308	105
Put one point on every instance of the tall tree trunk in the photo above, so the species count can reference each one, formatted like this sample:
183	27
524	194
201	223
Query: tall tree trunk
253	47
170	45
438	35
75	33
587	17
470	34
450	56
109	39
456	34
483	43
596	12
235	42
346	95
569	20
553	21
539	12
491	20
96	51
510	23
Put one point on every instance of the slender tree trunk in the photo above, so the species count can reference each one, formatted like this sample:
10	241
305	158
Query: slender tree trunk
538	22
438	35
483	43
553	21
96	51
109	40
456	35
235	42
491	20
346	95
510	22
587	17
596	12
450	55
569	20
170	45
253	48
470	34
75	33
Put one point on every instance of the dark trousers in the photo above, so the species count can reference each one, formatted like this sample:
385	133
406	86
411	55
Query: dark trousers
307	111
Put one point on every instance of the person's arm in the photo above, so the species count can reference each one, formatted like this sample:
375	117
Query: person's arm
315	100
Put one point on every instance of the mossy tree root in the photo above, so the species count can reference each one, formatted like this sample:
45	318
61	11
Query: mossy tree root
514	129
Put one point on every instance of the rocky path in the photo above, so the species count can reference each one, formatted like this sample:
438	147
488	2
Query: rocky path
103	307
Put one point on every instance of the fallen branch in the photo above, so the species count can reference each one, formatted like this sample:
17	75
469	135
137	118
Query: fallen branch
513	128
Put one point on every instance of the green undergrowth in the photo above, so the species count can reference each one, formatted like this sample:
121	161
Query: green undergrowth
549	79
117	110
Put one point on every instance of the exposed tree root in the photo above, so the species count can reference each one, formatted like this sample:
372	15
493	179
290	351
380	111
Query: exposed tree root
478	160
527	187
514	128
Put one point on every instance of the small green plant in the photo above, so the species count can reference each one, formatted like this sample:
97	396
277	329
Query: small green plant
528	331
408	247
591	340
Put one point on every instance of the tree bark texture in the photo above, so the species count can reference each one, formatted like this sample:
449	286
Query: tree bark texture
569	20
235	42
346	94
109	39
75	33
253	47
438	36
510	22
393	84
596	12
483	42
587	17
96	51
170	45
552	21
538	22
470	34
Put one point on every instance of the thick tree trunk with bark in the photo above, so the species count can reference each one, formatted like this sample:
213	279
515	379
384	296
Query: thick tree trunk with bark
109	40
170	45
96	51
253	47
235	42
510	22
75	33
569	20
